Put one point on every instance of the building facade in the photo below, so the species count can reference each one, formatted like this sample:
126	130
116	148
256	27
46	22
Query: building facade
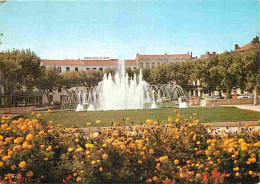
151	61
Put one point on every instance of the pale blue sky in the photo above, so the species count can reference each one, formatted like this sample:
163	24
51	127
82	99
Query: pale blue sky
120	29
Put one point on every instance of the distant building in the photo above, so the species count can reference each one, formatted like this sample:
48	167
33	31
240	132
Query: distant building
208	54
77	65
254	43
147	61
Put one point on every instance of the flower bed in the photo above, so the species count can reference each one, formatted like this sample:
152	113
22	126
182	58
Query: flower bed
176	151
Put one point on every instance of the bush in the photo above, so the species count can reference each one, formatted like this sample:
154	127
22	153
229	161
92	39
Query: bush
176	151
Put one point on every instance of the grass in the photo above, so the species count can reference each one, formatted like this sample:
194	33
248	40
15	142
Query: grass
206	115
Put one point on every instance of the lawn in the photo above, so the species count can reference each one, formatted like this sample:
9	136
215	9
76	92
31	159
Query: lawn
206	115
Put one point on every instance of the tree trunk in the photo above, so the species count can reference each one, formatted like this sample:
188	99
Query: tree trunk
256	101
228	92
46	92
220	94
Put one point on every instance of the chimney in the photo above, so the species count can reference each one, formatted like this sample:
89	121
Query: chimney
236	47
207	53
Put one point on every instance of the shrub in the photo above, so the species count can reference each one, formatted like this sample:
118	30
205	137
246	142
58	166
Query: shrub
177	151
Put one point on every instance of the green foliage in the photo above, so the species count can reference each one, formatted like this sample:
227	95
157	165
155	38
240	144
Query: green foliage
19	68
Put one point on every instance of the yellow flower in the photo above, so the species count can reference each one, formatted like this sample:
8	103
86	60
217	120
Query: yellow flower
230	150
177	120
198	175
88	123
253	160
176	162
237	174
70	149
104	156
236	169
49	110
38	115
100	169
22	164
140	162
79	149
98	121
5	158
49	148
29	137
1	164
250	172
93	162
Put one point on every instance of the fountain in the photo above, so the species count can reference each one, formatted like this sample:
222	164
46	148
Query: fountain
119	92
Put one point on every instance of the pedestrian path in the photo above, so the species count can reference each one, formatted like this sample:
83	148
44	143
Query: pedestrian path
251	107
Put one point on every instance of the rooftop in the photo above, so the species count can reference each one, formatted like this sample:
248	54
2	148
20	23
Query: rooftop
161	56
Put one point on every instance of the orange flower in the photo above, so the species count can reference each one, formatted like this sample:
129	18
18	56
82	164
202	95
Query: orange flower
22	164
151	151
78	179
29	174
149	180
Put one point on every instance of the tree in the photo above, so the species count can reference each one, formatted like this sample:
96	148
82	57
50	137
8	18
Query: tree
251	60
18	69
49	81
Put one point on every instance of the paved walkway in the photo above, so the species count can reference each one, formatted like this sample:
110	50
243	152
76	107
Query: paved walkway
246	106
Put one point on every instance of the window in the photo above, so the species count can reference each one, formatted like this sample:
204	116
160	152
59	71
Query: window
153	65
134	67
101	69
76	69
158	64
87	68
141	64
50	90
67	69
61	96
51	97
59	89
147	64
59	69
94	68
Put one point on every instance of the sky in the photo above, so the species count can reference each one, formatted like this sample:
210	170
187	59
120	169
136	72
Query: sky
75	29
